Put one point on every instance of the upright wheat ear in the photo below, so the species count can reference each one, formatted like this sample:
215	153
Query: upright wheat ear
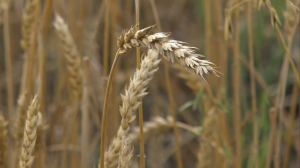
26	158
27	23
3	145
131	101
71	55
170	49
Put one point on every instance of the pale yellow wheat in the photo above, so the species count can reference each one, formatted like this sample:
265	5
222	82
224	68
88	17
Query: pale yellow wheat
171	49
71	55
30	134
130	102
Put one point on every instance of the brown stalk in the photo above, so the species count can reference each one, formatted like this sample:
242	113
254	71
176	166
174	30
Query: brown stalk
138	65
272	136
42	72
291	119
106	38
103	127
8	63
236	91
9	73
170	92
288	54
85	140
252	84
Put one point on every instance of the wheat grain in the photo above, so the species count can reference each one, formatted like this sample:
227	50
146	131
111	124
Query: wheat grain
71	55
125	154
3	145
29	139
170	49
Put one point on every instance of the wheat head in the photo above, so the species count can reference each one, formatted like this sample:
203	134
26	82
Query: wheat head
130	102
71	55
30	134
170	49
27	23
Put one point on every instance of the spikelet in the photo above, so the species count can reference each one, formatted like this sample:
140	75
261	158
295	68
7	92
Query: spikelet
30	130
3	145
274	17
291	18
71	55
27	23
132	98
171	49
23	102
125	154
261	3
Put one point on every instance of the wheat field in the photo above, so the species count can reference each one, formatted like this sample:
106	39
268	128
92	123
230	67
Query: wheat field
149	84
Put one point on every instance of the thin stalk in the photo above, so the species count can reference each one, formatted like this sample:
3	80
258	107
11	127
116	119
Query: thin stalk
106	39
252	84
170	92
291	118
9	76
85	139
46	18
138	65
271	138
288	54
103	127
236	90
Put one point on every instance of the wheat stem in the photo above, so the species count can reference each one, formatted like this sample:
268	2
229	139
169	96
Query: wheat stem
169	90
104	112
288	54
106	38
138	65
252	84
236	90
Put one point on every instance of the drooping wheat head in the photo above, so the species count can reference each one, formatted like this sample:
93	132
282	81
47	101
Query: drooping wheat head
171	49
30	134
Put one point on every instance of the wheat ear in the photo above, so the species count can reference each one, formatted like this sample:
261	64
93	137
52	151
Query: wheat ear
131	101
3	145
71	55
29	139
28	23
170	49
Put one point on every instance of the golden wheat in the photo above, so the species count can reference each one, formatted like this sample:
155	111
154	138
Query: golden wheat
29	139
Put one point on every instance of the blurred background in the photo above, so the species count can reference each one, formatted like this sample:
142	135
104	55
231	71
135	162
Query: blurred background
238	125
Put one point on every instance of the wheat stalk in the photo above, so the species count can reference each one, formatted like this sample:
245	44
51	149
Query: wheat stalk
130	102
170	49
205	154
3	145
71	55
29	139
